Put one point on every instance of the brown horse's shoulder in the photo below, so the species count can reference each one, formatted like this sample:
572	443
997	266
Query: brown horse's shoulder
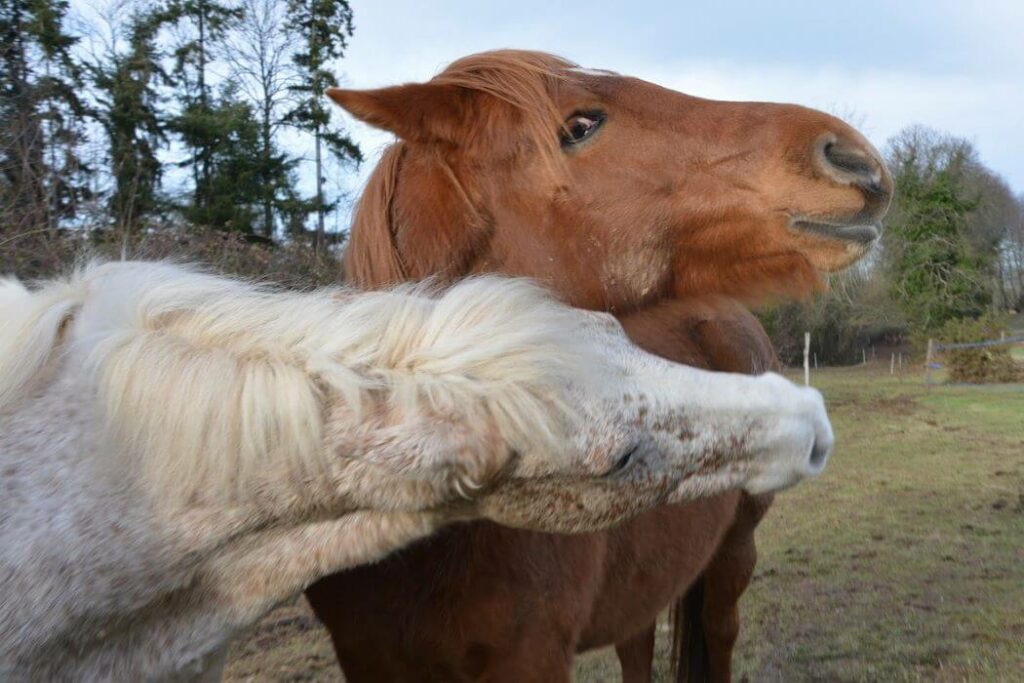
735	341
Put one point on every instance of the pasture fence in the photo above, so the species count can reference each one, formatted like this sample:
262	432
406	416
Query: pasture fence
898	360
935	348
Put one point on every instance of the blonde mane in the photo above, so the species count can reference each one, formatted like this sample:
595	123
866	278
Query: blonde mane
208	380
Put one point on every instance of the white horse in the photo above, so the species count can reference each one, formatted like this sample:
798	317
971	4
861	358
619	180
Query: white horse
180	452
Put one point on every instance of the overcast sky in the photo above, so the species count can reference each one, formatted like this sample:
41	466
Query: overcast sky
955	66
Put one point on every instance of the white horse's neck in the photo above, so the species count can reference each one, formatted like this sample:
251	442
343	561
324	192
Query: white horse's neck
167	591
249	371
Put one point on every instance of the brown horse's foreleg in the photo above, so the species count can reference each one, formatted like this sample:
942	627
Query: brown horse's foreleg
726	577
636	656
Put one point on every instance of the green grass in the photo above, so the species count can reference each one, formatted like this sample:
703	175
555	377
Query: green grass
905	561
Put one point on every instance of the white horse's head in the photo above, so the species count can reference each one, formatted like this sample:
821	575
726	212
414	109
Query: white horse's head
649	431
560	423
489	398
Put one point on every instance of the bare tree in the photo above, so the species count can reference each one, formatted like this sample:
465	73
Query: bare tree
260	55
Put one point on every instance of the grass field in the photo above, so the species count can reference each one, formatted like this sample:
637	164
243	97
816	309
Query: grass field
904	562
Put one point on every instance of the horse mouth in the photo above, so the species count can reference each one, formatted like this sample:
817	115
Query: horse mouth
857	235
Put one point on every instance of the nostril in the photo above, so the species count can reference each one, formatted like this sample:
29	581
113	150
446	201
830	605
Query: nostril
854	162
819	454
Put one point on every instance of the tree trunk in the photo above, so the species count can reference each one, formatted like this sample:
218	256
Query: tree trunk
203	153
49	178
320	232
268	191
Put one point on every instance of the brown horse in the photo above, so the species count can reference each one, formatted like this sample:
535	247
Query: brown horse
666	209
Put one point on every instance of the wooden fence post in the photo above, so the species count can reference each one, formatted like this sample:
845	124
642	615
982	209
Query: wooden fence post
928	363
864	356
815	360
892	364
807	359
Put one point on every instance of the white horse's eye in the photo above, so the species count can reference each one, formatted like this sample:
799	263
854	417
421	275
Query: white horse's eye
623	461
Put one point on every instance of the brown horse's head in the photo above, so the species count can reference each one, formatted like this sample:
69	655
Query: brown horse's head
613	190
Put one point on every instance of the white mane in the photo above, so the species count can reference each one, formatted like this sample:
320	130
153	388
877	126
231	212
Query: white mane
31	325
209	380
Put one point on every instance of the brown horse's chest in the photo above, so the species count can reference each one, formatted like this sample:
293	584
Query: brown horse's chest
461	604
651	561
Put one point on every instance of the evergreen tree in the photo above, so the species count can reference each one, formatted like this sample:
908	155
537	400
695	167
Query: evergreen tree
238	167
203	25
129	112
934	272
41	113
322	28
21	161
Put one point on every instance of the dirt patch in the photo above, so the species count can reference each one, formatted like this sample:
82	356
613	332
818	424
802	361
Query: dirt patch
289	644
901	405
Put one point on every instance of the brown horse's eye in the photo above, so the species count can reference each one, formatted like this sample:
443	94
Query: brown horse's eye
579	127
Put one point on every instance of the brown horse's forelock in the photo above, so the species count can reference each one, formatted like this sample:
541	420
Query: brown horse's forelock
528	81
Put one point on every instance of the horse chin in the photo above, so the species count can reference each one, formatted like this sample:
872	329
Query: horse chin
835	247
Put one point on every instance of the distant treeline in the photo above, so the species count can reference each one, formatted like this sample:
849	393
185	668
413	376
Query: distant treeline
98	110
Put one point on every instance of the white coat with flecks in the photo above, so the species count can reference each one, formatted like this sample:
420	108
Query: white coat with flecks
180	452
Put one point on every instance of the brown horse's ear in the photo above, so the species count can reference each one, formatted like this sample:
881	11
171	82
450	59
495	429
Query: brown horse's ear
418	112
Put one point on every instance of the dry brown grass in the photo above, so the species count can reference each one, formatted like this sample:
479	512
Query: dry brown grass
40	254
